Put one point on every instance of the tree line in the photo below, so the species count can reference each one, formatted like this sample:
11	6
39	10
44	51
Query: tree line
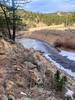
11	18
68	19
8	17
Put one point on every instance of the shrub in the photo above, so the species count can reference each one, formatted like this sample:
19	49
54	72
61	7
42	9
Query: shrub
59	81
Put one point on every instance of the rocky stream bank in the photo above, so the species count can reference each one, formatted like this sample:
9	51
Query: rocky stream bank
23	74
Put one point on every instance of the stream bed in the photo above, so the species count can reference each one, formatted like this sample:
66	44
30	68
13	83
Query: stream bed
64	60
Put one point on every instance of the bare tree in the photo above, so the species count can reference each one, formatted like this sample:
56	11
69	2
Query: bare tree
13	5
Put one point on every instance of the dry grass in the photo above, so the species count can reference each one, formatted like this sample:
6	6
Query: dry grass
66	43
57	38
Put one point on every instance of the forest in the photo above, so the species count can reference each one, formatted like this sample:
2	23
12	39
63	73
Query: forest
26	19
66	18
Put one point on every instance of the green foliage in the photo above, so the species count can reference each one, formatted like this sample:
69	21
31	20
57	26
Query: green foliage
3	21
67	19
59	81
67	98
29	19
26	19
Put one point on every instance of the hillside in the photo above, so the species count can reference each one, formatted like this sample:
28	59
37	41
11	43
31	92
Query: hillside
22	73
26	74
31	19
26	20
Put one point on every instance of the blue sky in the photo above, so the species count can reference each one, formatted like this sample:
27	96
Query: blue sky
49	6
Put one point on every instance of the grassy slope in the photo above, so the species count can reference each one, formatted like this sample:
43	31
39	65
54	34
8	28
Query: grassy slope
37	19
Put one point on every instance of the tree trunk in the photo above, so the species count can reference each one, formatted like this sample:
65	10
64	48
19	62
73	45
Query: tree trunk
14	26
6	21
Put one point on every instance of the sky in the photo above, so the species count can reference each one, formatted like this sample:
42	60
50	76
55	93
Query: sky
50	6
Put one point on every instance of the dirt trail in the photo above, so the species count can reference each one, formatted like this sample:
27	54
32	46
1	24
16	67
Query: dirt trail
53	27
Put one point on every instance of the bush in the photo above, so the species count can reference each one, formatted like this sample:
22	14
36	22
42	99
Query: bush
67	98
59	81
58	43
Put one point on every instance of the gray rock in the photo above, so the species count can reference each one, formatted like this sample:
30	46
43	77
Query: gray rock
11	97
5	97
26	98
29	65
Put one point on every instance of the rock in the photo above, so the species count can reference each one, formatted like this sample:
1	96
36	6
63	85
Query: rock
1	90
11	97
9	84
23	93
26	98
10	87
5	97
35	75
37	56
52	98
43	91
5	46
29	65
20	81
48	73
